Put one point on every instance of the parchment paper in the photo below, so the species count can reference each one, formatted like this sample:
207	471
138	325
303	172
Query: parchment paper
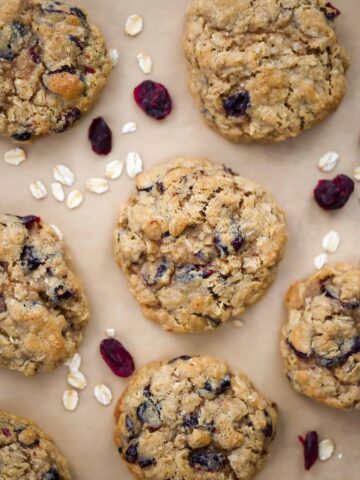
288	169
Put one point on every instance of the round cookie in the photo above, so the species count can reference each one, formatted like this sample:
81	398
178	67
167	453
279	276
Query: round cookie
264	70
27	453
320	341
198	243
53	66
192	418
43	308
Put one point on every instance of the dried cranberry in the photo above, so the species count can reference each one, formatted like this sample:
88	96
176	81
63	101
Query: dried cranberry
130	426
207	460
146	462
34	52
100	136
51	474
22	137
117	357
131	454
77	42
6	432
333	194
30	220
78	13
302	355
236	105
330	11
237	243
311	449
191	420
6	54
89	69
224	385
154	99
29	258
346	305
62	293
70	117
3	307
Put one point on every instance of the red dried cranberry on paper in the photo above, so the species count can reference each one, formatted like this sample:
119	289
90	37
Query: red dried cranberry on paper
154	99
100	136
117	357
330	11
334	194
311	448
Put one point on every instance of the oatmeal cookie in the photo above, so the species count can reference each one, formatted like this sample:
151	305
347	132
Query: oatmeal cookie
264	70
192	418
53	66
43	309
320	341
198	243
26	453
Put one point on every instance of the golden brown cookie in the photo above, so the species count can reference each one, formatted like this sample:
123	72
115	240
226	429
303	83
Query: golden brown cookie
26	453
320	340
264	70
192	418
198	243
53	66
43	308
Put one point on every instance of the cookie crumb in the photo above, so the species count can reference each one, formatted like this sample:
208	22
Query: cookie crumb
77	380
70	400
64	175
134	25
114	169
97	185
320	261
103	394
134	164
15	156
58	191
38	190
328	162
331	242
144	62
326	449
74	199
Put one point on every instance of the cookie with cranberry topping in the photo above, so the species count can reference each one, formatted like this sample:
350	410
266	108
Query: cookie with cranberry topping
198	243
43	308
53	66
320	340
26	452
264	70
193	418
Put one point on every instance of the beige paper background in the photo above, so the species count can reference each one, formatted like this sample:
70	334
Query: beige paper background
289	170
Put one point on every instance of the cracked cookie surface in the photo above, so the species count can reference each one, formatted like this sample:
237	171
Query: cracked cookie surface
320	341
53	66
43	308
193	418
198	243
264	70
26	453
